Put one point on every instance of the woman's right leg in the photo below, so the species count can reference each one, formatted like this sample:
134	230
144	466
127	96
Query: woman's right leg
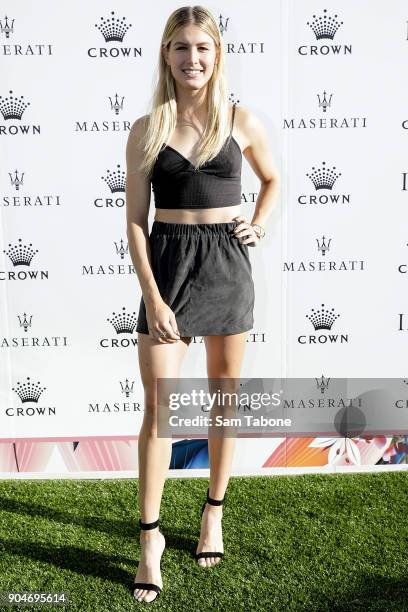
156	360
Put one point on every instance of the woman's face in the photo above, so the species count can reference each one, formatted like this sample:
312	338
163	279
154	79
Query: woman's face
191	48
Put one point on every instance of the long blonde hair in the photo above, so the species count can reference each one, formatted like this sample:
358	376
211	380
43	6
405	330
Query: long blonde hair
162	118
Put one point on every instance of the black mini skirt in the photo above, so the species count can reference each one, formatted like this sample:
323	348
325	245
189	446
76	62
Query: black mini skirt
204	275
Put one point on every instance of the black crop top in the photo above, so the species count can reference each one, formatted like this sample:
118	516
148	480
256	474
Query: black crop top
176	184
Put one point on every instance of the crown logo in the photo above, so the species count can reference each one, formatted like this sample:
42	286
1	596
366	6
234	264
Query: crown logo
323	178
324	27
115	180
324	102
322	383
7	28
126	388
322	319
21	254
25	323
231	98
29	391
116	105
223	26
121	250
123	323
322	246
12	108
16	181
113	28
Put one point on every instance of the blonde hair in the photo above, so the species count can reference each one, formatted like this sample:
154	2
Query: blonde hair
162	118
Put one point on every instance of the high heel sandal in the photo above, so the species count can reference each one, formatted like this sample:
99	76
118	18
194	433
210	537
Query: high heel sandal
212	502
148	586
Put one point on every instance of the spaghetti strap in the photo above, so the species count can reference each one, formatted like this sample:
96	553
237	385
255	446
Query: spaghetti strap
233	115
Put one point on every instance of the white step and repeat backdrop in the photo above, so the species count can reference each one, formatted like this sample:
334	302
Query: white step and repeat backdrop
327	81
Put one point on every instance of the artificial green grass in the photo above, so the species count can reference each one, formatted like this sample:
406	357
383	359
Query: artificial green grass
307	542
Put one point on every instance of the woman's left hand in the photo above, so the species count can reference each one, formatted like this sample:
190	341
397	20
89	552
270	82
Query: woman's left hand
244	228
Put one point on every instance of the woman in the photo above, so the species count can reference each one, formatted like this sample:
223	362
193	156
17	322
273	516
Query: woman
190	149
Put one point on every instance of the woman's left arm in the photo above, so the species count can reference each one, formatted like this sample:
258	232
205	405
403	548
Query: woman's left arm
259	156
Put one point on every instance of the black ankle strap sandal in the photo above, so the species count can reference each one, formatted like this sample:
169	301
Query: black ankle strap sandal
148	586
212	502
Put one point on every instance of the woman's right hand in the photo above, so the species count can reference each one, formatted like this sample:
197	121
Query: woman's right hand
161	318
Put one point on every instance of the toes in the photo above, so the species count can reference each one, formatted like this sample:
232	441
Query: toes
150	596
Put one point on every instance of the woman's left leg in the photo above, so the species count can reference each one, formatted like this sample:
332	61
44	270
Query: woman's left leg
224	360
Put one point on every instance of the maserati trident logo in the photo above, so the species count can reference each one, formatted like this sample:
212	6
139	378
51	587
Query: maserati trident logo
116	105
322	247
20	48
241	47
24	322
324	265
112	268
322	383
126	388
223	25
6	27
111	125
121	250
16	180
324	102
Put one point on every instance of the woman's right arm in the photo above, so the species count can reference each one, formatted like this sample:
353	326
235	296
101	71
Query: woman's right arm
159	315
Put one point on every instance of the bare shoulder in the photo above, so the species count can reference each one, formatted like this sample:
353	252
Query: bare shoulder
134	152
138	128
249	127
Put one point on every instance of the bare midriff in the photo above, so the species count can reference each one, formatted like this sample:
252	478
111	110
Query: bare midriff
224	214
